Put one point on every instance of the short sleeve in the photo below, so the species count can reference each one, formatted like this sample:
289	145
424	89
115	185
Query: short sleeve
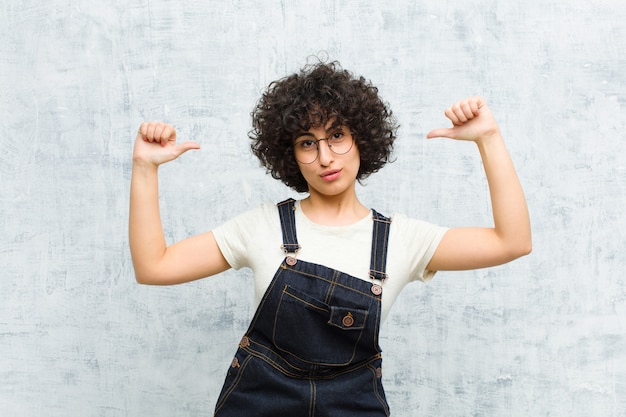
415	242
237	237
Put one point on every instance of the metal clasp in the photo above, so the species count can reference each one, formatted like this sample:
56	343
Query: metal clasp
290	248
382	276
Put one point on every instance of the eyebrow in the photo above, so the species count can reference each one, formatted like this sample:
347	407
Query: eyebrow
332	128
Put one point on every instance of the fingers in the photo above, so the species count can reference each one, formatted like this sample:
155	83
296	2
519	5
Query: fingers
474	110
471	119
464	110
163	134
157	132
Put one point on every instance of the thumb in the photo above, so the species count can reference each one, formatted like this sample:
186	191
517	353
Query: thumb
440	133
186	146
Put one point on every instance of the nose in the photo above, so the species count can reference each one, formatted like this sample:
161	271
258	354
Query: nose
325	155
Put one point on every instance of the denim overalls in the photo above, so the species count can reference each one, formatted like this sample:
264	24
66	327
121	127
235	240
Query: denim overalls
312	347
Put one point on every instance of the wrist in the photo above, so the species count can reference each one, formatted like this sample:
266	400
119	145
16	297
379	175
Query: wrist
490	137
143	164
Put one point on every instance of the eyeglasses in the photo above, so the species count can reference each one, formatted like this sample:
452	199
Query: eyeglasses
306	146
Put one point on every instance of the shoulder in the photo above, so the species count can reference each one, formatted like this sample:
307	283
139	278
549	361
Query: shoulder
400	219
247	233
262	214
244	227
411	230
412	244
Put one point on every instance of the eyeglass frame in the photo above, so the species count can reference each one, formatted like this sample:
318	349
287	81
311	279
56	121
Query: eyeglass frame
316	141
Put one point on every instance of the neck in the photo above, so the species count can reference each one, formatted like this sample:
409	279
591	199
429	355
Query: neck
340	210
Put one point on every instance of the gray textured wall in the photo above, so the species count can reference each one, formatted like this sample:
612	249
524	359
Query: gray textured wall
543	336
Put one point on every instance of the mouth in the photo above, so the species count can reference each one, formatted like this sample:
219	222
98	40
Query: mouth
330	175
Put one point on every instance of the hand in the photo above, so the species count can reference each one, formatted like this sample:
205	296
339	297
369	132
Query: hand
156	144
472	120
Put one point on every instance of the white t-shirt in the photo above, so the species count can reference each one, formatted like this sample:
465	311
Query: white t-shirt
253	239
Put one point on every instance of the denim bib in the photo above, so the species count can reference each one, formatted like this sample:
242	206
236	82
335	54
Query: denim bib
312	347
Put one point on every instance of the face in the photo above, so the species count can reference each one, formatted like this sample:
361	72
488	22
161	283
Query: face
330	174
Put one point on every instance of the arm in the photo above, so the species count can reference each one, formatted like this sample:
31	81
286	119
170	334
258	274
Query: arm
154	262
510	238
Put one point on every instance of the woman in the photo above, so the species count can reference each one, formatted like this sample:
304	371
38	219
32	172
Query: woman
327	269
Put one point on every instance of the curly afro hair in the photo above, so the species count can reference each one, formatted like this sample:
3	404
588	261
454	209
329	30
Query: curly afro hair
316	95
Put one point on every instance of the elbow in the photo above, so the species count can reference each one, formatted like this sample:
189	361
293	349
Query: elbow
145	277
154	276
141	278
526	250
147	273
521	249
527	245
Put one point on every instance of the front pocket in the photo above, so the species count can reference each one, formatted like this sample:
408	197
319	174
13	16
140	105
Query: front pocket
315	332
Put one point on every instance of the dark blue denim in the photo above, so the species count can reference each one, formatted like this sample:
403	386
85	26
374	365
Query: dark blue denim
312	347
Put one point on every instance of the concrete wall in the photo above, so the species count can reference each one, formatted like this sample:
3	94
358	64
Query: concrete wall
542	336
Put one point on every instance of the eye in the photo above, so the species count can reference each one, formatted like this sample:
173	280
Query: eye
305	144
337	136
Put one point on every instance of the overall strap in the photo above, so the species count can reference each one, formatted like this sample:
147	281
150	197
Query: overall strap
380	237
286	210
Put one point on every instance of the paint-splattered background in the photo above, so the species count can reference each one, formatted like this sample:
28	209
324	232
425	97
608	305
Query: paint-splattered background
543	336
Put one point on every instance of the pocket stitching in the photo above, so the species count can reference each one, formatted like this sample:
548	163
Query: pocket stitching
309	302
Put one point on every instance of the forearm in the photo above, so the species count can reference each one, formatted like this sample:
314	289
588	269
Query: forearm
510	212
480	247
147	242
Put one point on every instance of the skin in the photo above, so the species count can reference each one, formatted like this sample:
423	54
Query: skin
510	237
330	202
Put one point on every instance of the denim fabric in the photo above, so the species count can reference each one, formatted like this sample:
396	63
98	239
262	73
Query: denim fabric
312	347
